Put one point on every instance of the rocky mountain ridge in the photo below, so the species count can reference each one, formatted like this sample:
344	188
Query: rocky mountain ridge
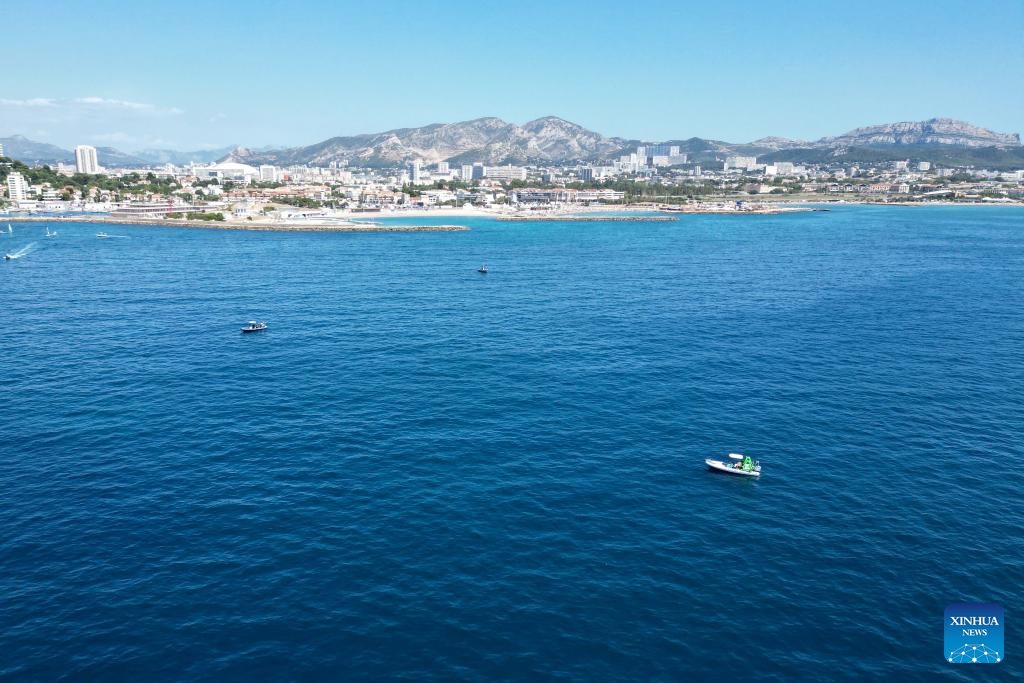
554	140
930	132
489	140
547	140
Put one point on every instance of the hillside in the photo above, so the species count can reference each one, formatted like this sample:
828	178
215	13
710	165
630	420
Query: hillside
488	140
552	140
930	132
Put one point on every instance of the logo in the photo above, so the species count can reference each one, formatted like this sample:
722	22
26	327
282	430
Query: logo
974	633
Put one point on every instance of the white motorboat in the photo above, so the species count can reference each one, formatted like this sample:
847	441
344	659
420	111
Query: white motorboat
102	235
741	465
254	326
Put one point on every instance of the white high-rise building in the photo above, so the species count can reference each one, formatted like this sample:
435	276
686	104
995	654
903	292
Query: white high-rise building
467	172
509	172
442	167
268	174
85	159
1	150
415	169
17	188
744	163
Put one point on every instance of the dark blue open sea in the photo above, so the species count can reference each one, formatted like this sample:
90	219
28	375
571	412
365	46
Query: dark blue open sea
423	473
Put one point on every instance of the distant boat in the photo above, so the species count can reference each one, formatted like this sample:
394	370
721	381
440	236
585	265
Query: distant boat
50	234
102	234
254	326
741	465
7	257
482	269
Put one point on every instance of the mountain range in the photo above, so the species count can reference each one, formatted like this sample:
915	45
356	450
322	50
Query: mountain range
31	152
489	140
552	140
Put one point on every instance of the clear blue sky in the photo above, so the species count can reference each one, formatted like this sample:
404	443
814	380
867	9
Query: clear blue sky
188	74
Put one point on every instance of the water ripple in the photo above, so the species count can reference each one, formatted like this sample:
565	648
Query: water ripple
420	473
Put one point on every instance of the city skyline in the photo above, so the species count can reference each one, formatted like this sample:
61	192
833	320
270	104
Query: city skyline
194	76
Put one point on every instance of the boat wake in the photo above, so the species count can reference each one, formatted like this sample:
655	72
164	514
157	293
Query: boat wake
18	253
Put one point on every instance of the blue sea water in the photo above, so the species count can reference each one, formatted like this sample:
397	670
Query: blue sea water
423	473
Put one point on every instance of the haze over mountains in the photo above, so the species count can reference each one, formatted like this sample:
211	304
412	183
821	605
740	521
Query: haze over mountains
31	152
552	140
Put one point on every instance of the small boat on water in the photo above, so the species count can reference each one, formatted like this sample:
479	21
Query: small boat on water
482	269
741	465
7	257
50	234
102	235
254	326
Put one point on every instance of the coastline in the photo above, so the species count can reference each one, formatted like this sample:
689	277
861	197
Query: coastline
241	225
370	221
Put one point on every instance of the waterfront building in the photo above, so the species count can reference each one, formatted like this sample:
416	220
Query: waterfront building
478	171
132	210
535	195
375	197
442	167
587	174
435	197
1	150
415	172
268	174
86	160
467	172
602	195
17	188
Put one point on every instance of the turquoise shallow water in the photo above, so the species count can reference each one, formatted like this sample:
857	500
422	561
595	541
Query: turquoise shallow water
422	473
